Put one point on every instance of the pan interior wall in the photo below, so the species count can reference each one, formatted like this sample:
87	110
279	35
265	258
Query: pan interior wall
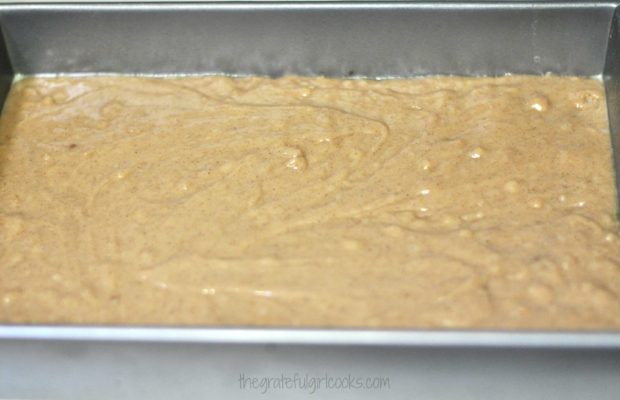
370	40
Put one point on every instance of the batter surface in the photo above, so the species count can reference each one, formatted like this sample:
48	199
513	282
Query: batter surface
435	202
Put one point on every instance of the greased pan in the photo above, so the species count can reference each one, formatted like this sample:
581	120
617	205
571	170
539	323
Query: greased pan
334	39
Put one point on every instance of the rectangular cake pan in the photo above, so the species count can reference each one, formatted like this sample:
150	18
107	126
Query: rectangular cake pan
323	38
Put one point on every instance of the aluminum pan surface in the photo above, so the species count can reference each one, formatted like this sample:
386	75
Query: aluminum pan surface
123	362
404	39
428	338
474	37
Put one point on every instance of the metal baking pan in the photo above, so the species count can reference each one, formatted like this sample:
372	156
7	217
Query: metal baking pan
335	39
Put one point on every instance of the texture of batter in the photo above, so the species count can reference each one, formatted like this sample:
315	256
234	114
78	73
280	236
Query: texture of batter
434	202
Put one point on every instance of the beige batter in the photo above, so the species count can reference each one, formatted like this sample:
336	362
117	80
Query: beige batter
436	202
